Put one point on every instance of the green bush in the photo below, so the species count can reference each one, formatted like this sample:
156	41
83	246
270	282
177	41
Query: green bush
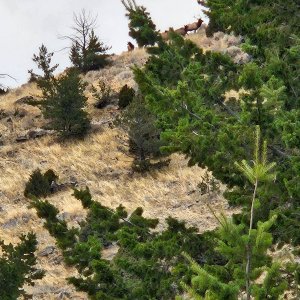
141	26
102	95
39	185
18	267
126	95
50	176
64	105
148	264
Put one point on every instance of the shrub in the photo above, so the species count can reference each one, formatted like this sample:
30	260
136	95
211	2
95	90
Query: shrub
50	176
39	185
18	267
3	91
102	95
144	137
126	95
64	103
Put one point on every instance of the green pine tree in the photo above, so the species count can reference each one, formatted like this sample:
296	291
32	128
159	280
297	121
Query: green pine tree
37	185
245	248
144	137
141	26
18	267
64	106
87	51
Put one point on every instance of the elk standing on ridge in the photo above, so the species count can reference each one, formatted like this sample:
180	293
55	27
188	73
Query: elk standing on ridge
194	26
130	46
182	31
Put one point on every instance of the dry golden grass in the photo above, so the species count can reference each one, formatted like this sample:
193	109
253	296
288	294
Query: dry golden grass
97	162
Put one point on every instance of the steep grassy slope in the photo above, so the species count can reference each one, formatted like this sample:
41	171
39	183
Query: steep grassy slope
100	161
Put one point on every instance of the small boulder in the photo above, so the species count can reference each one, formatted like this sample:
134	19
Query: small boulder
47	251
24	100
10	223
22	138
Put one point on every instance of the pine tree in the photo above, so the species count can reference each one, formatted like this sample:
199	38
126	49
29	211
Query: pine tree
39	185
141	26
148	264
187	90
260	172
43	61
87	51
126	95
144	137
245	248
18	267
64	106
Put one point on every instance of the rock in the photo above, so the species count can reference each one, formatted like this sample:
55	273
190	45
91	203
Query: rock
218	35
33	134
9	120
242	58
147	198
16	200
64	294
191	192
57	260
10	223
73	181
11	153
3	114
110	252
22	138
26	218
21	113
47	251
63	216
24	100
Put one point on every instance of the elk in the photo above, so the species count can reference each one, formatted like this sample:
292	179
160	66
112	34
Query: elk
202	2
165	35
182	30
194	26
130	46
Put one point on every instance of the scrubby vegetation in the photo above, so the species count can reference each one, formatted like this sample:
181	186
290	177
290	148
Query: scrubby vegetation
126	96
141	26
102	94
147	265
18	267
184	104
39	185
144	137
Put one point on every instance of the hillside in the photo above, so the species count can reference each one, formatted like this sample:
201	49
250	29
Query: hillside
100	161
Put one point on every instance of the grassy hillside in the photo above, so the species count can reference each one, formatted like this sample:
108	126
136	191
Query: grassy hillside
100	161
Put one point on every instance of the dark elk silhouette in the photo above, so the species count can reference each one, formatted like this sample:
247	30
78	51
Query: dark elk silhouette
130	46
194	26
181	31
202	2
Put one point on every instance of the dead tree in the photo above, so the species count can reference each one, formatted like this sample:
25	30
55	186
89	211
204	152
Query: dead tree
86	49
3	88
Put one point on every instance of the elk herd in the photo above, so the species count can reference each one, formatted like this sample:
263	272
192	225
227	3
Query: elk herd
183	31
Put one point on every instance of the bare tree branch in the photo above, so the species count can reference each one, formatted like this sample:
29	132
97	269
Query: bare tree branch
7	75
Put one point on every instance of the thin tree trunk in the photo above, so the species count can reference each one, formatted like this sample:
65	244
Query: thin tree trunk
249	246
